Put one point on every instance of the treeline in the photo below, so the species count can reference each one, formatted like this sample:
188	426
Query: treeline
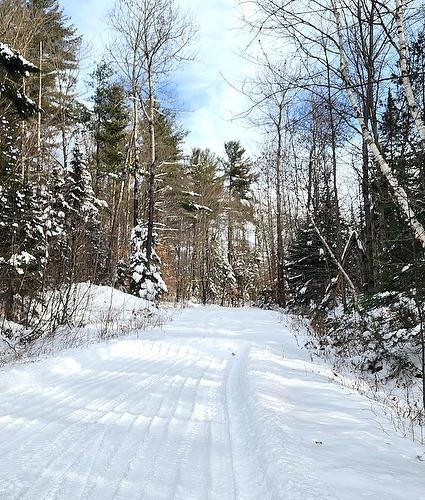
328	215
341	95
97	188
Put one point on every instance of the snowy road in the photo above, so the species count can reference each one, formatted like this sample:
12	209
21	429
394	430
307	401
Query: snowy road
221	404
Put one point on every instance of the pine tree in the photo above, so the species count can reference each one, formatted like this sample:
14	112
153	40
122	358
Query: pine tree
22	246
82	220
237	170
55	41
108	122
22	224
13	69
239	178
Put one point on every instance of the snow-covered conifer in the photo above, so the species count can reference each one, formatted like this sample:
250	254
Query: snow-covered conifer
146	280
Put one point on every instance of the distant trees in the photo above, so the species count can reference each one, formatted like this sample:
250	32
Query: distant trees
101	191
152	35
239	178
346	49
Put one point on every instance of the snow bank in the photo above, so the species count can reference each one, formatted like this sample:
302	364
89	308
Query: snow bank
100	303
95	313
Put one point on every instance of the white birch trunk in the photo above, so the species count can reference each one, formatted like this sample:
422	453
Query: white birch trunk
399	192
402	53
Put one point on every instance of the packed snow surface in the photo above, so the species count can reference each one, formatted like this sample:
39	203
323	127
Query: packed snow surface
220	404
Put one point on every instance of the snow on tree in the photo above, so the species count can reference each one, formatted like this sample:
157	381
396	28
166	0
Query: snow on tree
82	245
14	62
309	268
246	270
22	245
146	280
221	277
239	177
22	224
80	195
14	68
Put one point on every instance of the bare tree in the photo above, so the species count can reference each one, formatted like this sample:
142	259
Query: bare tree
404	68
152	37
270	94
400	194
306	24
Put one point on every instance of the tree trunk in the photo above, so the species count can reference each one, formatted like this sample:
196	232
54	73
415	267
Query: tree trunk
400	194
152	173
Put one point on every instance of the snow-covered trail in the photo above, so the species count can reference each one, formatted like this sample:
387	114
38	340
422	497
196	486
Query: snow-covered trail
220	404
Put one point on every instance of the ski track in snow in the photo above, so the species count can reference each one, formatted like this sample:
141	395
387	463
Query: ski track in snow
221	404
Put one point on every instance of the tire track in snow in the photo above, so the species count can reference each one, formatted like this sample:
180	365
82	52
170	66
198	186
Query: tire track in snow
154	416
179	417
44	407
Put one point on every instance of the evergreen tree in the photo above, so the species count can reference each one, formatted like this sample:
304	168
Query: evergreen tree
402	260
58	42
82	220
146	281
108	122
22	224
307	268
237	170
239	178
13	69
22	245
221	280
310	269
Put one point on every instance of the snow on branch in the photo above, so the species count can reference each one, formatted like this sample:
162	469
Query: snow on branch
12	61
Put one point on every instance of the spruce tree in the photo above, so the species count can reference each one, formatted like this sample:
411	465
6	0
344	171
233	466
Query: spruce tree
22	224
146	280
309	267
108	123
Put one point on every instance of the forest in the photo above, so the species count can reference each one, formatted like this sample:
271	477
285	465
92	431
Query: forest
325	220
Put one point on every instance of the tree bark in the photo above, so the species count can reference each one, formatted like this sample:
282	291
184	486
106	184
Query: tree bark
400	194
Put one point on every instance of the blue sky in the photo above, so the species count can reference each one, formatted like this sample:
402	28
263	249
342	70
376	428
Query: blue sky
206	102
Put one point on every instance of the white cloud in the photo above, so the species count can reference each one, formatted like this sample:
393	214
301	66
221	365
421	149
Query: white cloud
213	102
209	103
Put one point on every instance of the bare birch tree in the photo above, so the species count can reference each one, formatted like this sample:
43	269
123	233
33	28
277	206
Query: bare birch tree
400	194
306	24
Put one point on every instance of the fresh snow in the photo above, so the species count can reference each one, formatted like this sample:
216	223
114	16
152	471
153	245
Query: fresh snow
220	404
13	58
96	312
